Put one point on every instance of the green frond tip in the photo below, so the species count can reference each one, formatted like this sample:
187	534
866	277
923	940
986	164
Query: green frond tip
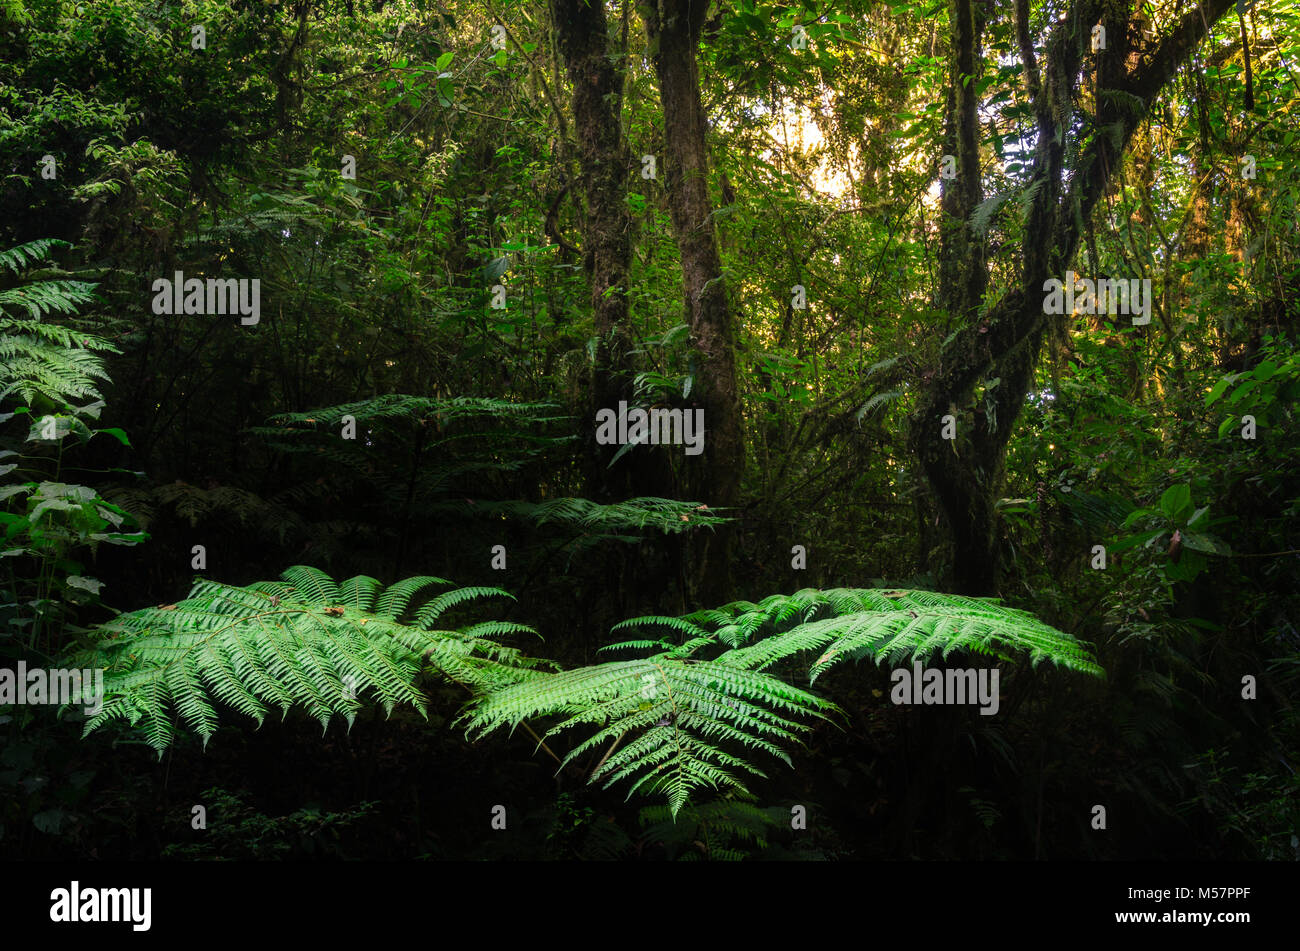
15	259
665	725
302	642
887	625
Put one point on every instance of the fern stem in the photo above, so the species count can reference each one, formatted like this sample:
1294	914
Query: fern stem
525	724
612	747
540	741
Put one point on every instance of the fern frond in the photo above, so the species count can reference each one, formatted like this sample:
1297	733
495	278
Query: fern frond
884	624
17	258
393	602
449	599
679	714
605	521
303	641
312	584
986	210
877	401
895	626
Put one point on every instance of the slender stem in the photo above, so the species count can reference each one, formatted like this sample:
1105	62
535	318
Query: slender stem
540	741
613	746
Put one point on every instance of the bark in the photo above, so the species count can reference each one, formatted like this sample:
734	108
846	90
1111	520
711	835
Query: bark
673	30
582	39
1006	341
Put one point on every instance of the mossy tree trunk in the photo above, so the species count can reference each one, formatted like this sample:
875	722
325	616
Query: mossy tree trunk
673	29
582	37
1000	338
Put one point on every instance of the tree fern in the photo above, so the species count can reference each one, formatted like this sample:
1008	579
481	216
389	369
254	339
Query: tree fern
668	725
413	452
420	457
304	641
891	626
401	406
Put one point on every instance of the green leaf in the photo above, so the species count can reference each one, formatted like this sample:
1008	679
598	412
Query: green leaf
92	585
1219	389
1210	544
49	821
1177	502
1134	540
118	434
1265	370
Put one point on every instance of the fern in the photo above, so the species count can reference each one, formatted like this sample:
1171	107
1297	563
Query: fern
877	401
727	830
399	406
675	715
886	625
303	641
39	358
416	450
677	710
16	259
987	210
607	522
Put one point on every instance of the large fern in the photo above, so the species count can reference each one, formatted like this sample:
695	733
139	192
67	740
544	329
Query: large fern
415	455
885	625
680	720
668	724
303	641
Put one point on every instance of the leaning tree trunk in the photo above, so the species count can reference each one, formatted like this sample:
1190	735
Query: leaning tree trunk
673	29
1003	340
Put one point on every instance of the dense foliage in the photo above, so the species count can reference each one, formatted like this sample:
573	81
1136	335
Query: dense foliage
826	228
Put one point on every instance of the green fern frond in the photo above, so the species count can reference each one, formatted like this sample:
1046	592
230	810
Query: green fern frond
675	715
60	297
430	613
312	584
400	405
684	625
707	829
986	211
40	359
394	601
877	401
18	258
303	641
886	625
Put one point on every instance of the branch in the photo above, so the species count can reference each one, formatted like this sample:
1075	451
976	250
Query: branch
1032	82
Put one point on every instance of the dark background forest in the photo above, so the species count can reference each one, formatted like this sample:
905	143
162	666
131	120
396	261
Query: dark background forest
826	227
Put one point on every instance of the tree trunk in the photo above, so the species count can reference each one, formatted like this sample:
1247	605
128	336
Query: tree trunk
673	30
582	37
1003	341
